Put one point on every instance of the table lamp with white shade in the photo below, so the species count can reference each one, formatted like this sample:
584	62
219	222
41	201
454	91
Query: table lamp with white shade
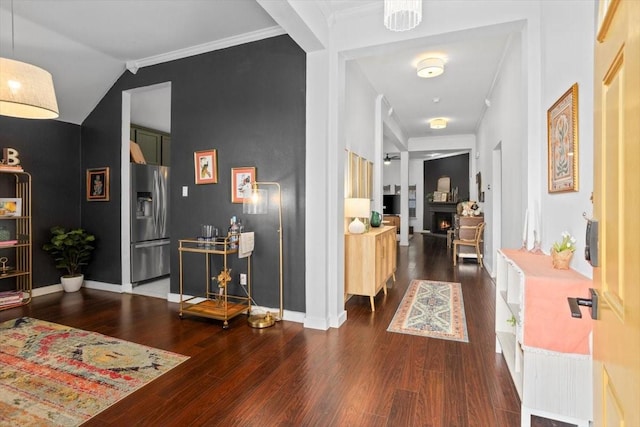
356	209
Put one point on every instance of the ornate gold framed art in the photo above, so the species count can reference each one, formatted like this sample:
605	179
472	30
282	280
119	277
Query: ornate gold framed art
562	138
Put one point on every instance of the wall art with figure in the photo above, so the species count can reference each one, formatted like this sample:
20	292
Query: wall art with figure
562	123
98	184
206	166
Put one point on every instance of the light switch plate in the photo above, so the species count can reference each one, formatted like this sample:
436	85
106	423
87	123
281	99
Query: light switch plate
185	191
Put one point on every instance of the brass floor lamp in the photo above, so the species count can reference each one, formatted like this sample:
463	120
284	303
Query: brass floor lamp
258	203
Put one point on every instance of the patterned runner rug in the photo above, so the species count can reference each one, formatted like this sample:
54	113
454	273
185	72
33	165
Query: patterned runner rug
57	375
431	309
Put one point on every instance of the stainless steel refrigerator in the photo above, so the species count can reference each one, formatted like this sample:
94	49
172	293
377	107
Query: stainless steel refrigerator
150	243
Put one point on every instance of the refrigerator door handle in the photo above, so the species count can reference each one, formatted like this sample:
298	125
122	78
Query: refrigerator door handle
156	205
163	204
151	243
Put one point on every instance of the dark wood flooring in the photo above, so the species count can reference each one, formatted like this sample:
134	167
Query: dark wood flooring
357	375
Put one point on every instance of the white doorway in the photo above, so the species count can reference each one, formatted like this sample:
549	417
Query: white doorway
148	106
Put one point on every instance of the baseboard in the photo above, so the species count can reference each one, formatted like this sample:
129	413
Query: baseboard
46	290
90	284
102	286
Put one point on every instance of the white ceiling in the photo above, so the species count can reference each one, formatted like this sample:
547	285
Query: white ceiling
87	44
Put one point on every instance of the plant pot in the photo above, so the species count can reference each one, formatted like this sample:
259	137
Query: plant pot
561	260
72	283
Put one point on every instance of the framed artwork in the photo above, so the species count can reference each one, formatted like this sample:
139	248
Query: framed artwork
369	179
10	207
98	184
353	174
241	179
362	183
206	166
562	137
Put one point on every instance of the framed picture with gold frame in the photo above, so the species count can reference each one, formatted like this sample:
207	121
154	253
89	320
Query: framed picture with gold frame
362	182
98	184
352	185
206	166
369	179
562	138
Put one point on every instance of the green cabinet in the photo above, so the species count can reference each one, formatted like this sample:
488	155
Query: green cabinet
155	145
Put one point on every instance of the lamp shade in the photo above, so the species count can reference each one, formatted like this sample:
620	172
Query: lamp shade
430	67
257	202
26	91
356	208
402	15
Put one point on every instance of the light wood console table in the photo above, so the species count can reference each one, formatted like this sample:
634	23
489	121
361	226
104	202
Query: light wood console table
369	262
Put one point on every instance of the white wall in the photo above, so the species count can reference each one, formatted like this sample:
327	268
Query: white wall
391	174
504	122
151	107
360	98
567	58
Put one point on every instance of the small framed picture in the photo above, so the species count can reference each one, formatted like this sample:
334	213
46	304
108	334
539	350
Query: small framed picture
10	207
241	180
98	184
206	166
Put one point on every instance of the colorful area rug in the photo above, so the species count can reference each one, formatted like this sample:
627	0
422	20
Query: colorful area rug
56	375
431	309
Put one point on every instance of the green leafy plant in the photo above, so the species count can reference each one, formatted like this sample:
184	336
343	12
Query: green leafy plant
512	320
568	243
71	249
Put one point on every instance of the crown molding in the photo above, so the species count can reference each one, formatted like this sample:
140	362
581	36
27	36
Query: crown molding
266	33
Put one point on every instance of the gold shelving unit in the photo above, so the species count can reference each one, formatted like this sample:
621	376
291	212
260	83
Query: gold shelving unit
17	256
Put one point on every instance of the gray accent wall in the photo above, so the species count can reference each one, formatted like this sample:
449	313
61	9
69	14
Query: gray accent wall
50	152
455	167
248	103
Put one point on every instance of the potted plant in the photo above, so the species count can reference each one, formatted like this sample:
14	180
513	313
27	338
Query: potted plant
71	249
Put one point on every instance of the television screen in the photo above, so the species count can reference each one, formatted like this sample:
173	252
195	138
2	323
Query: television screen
391	204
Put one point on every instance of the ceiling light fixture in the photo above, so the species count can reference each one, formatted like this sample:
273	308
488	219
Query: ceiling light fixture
26	91
387	160
430	67
402	15
438	123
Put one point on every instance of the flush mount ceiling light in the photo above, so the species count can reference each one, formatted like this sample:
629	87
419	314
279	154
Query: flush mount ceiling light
430	67
438	123
402	15
26	91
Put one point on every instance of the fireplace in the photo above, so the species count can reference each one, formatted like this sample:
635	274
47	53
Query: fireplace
436	213
442	222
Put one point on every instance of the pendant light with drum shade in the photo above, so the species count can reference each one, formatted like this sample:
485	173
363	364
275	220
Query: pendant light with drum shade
402	15
26	91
